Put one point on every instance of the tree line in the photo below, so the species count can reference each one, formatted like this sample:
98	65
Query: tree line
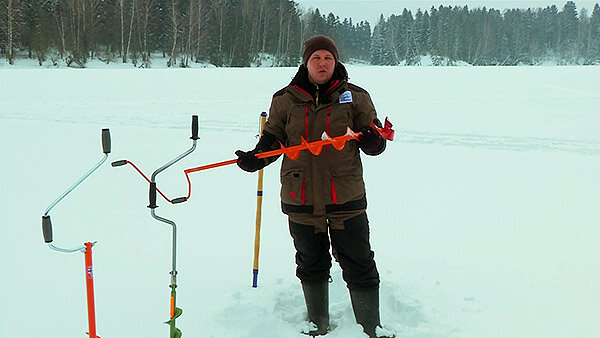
489	37
240	33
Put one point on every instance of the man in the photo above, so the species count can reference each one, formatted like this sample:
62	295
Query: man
324	196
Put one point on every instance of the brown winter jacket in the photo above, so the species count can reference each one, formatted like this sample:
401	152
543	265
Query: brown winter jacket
333	180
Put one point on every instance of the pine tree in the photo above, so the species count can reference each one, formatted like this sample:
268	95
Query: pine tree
568	32
383	49
393	40
332	24
549	29
444	36
108	35
377	45
158	34
346	40
315	24
423	32
364	40
409	37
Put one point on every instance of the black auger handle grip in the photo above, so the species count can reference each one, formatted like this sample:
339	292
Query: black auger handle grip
119	163
106	141
47	228
194	127
152	196
179	200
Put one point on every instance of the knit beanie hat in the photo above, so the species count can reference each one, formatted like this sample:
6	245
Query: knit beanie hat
316	43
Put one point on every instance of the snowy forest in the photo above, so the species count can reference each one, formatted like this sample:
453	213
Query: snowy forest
242	33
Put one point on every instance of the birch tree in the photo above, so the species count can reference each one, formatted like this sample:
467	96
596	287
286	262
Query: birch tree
9	32
190	31
199	30
130	31
175	28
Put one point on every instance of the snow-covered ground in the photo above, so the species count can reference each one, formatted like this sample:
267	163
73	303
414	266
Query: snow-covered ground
484	210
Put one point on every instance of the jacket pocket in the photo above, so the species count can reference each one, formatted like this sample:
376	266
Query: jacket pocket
346	186
293	187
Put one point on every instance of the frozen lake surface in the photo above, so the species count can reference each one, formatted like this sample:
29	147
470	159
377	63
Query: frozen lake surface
484	210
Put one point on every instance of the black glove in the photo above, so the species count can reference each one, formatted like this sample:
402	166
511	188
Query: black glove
246	159
371	142
248	162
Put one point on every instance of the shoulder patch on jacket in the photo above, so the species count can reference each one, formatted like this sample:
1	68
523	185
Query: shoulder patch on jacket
280	92
356	88
346	97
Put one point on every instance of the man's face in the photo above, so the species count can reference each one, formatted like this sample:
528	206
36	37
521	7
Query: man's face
320	66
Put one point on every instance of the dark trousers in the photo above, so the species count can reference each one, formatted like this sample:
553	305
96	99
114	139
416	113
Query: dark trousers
352	248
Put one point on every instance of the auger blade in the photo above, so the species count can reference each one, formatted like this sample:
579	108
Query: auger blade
351	133
178	312
337	143
175	333
314	147
293	153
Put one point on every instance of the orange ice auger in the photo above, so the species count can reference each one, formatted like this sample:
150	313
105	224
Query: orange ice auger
87	247
317	146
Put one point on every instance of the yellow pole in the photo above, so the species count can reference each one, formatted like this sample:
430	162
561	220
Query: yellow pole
259	195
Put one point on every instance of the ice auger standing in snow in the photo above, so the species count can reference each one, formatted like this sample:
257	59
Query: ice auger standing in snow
174	332
87	247
175	312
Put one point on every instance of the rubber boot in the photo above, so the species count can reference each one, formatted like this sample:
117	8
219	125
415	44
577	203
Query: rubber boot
366	310
316	296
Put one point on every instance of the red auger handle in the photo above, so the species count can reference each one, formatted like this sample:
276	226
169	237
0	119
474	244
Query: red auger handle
387	132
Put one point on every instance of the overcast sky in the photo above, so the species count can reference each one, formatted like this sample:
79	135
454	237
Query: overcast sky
370	10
